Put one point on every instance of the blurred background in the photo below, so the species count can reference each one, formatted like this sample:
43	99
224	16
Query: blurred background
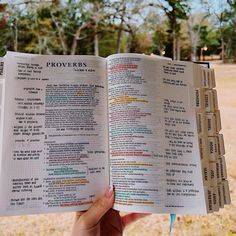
180	29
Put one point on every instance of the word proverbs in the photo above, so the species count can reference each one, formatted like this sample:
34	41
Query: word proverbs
66	64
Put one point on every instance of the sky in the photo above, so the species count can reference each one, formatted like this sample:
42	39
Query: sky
217	4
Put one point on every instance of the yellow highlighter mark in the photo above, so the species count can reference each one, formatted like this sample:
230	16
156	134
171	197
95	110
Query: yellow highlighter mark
125	100
73	182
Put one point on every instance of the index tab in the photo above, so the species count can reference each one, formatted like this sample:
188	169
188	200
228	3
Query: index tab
218	121
205	78
213	148
209	101
223	171
215	198
206	173
218	171
215	99
220	195
201	123
211	124
209	198
198	98
197	76
213	174
212	78
226	195
221	145
208	78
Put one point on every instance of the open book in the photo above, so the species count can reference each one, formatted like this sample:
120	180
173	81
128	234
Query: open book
72	125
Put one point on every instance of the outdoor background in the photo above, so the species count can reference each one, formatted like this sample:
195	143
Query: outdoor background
180	29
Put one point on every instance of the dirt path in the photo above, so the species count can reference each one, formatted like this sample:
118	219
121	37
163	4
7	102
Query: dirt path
218	224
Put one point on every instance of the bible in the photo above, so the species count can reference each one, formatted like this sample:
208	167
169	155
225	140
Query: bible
73	125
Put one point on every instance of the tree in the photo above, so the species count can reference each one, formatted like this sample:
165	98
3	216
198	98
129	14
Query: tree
208	40
231	29
156	25
125	15
194	30
220	10
71	21
159	40
174	10
177	9
4	29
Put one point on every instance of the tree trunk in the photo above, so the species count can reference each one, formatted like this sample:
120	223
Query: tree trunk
222	49
16	37
119	36
74	43
174	45
128	46
193	53
61	35
96	44
194	35
62	40
40	44
120	31
130	41
178	48
77	37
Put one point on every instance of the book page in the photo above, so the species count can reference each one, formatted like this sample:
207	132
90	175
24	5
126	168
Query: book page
154	157
1	100
55	137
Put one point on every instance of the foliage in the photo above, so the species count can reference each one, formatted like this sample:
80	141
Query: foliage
159	40
209	39
103	27
230	29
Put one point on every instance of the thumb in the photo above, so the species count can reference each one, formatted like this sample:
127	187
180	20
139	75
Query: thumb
98	209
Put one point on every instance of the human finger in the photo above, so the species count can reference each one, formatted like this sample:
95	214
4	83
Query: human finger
98	209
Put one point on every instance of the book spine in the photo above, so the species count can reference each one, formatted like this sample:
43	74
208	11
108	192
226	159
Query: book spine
211	142
1	112
1	68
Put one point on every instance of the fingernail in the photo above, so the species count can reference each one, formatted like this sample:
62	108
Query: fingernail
109	192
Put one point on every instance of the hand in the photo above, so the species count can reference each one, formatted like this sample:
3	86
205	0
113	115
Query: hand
101	220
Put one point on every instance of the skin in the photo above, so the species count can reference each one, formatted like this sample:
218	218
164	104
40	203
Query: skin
101	220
